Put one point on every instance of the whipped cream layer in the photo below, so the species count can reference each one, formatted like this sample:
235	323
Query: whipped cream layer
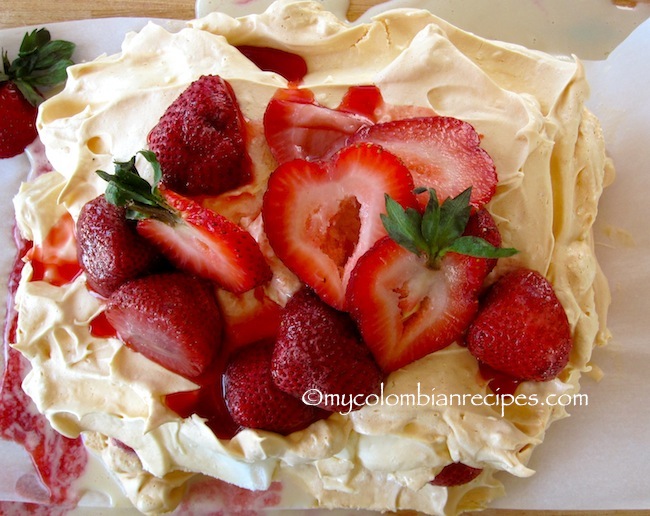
551	163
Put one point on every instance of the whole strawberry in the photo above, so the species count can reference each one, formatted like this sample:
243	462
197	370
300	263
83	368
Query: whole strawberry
41	63
200	140
173	319
319	351
254	401
109	248
521	328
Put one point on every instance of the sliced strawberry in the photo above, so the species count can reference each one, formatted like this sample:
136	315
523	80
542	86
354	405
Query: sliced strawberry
320	217
297	127
193	238
172	319
522	329
254	401
109	248
412	299
442	153
406	310
41	63
287	64
319	350
455	474
207	244
200	140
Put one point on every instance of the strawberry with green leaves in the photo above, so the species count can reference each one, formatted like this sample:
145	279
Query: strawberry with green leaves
416	291
193	238
41	64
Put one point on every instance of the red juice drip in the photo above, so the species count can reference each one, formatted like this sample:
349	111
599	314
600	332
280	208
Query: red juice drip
58	460
101	328
55	260
499	383
203	496
207	402
362	100
287	64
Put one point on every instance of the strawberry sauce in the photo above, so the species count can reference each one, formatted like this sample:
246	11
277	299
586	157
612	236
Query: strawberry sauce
55	260
58	461
101	328
499	383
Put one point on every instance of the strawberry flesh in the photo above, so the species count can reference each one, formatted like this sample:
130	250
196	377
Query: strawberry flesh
320	217
319	349
207	244
443	153
522	329
109	249
253	399
172	319
200	140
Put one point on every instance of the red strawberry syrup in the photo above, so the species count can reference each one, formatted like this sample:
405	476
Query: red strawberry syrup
58	461
219	498
55	260
499	383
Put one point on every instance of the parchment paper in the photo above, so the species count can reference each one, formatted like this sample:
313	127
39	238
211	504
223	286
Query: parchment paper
599	457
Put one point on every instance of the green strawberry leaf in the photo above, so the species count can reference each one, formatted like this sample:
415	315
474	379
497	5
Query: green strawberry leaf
126	187
41	63
438	230
479	247
404	226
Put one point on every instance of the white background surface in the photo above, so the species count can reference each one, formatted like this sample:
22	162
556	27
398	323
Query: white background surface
599	457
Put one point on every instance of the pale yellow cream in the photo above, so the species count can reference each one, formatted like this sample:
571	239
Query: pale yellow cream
552	167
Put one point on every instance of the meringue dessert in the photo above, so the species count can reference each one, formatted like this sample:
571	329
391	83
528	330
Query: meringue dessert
325	140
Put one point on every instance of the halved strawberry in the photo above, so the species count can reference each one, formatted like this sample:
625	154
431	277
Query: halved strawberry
319	349
297	127
200	140
320	217
442	153
193	238
172	319
109	248
522	329
412	299
254	401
